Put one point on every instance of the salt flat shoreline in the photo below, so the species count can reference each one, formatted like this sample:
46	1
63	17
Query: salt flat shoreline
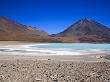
42	56
29	49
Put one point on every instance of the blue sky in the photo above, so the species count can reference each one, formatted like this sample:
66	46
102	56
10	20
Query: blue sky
54	16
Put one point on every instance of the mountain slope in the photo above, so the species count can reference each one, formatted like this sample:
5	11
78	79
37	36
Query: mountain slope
10	30
86	27
7	26
85	30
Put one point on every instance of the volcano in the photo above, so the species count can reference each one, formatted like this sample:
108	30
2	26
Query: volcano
86	27
85	30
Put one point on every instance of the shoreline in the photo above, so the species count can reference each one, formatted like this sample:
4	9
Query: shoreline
22	49
79	58
17	48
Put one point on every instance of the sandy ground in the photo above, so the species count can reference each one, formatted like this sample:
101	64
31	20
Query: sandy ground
3	43
14	68
34	69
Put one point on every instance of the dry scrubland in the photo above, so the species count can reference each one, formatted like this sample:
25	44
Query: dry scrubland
33	70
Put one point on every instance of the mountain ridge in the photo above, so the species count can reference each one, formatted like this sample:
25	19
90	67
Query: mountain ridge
12	25
83	31
86	27
13	31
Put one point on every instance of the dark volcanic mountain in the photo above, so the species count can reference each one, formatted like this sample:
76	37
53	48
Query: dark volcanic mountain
10	30
85	30
86	27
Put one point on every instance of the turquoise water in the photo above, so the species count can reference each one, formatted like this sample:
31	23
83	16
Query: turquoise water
75	46
59	49
81	48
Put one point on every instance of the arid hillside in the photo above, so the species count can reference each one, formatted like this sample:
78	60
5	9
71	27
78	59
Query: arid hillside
13	31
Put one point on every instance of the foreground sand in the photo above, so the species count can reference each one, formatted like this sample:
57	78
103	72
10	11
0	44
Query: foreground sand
47	69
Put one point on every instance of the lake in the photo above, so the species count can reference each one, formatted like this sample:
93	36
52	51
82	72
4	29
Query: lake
74	49
56	49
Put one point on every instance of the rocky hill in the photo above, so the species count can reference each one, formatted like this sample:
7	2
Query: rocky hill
13	31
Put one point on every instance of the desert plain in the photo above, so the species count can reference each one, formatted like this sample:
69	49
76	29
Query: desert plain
28	68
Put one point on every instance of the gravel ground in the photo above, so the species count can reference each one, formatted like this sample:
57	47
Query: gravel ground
34	70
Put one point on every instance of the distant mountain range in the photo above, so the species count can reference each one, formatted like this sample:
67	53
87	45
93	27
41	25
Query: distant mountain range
85	30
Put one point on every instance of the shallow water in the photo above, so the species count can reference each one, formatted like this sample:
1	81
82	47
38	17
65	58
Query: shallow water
56	49
75	49
75	46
